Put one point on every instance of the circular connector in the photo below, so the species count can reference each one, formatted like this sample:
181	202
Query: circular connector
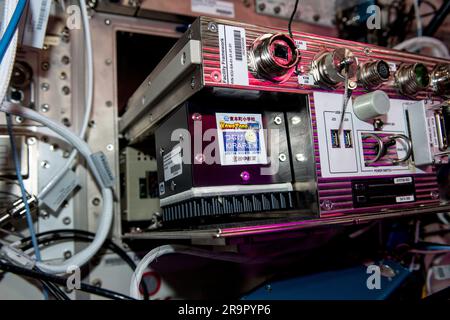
373	74
440	79
412	78
22	75
274	57
330	68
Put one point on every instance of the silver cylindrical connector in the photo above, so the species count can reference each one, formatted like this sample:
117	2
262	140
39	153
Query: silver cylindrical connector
412	78
274	57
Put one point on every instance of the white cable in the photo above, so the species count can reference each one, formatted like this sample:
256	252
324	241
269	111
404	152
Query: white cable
89	100
136	278
106	216
442	218
8	61
439	48
418	18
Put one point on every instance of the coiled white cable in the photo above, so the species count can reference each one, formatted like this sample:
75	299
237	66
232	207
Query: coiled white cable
136	278
106	216
439	49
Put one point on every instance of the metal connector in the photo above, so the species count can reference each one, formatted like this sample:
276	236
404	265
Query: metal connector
17	210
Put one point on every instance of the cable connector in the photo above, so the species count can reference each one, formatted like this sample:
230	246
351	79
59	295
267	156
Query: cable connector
17	257
17	210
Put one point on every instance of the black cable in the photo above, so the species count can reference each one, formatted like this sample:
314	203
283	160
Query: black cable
55	290
8	267
292	18
437	20
86	236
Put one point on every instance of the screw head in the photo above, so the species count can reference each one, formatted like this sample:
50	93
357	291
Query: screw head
296	120
65	60
199	158
434	195
197	117
245	176
212	27
282	157
67	221
31	140
45	66
107	22
44	214
45	86
45	164
67	254
326	205
96	201
277	120
110	147
173	185
300	157
45	107
66	90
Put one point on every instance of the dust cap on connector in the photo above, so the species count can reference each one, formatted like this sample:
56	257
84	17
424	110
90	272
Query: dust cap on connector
371	105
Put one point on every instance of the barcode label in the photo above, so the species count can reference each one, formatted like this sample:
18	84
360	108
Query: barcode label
172	163
237	45
36	23
233	55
